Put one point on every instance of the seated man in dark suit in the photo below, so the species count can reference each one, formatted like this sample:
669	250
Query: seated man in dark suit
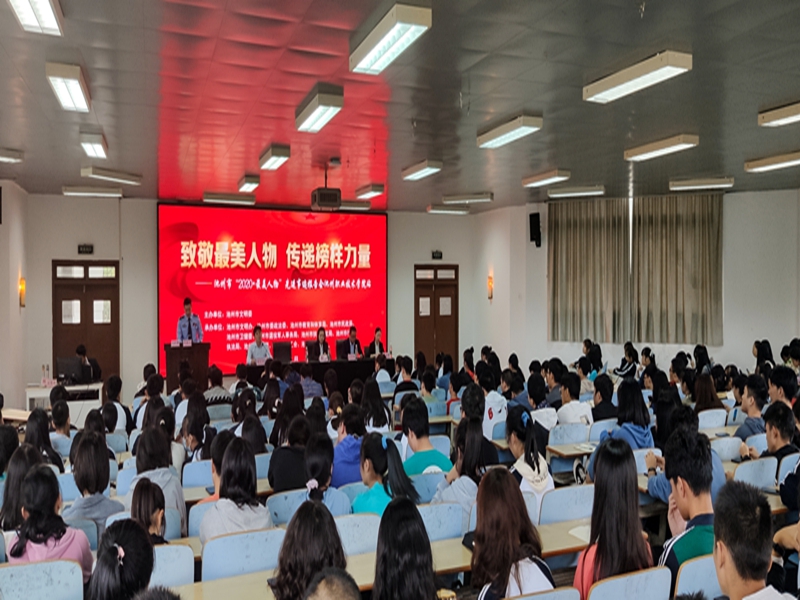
376	346
353	345
319	348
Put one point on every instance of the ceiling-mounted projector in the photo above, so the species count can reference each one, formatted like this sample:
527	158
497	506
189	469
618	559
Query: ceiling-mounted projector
326	199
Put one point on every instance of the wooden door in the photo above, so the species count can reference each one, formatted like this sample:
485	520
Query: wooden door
86	311
436	310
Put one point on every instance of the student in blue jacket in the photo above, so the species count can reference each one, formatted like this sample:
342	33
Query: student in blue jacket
633	419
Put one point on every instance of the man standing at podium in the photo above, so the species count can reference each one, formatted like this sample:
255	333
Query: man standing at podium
189	327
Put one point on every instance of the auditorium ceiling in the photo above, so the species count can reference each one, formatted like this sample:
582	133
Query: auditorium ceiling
189	93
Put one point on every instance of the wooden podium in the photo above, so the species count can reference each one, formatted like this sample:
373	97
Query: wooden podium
197	357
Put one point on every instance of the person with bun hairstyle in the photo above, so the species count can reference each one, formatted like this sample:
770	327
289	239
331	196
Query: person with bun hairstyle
43	535
124	563
382	472
319	468
347	454
238	508
461	483
335	408
530	469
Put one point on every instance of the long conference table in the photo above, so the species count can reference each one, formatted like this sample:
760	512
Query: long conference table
449	556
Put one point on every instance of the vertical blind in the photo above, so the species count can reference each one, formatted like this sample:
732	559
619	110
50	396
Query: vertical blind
652	275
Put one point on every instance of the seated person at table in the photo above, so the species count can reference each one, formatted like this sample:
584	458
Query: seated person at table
779	422
43	534
473	406
244	405
152	462
658	486
555	370
352	345
455	385
293	405
287	466
691	514
38	436
330	381
754	400
782	385
218	447
426	458
91	470
616	544
319	350
572	409
197	436
124	563
310	387
496	407
257	351
319	468
446	371
376	347
147	509
382	472
23	460
603	395
537	391
125	422
633	419
94	423
584	368
331	584
507	556
461	482
335	408
216	394
743	543
154	388
312	544
705	395
405	384
253	433
530	469
376	414
237	509
428	384
9	442
62	436
241	377
404	561
60	392
401	438
355	393
381	375
272	394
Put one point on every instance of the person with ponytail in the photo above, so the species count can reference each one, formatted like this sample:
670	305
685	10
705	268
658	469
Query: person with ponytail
335	408
530	469
319	469
153	462
197	436
461	483
43	534
238	508
382	472
37	435
244	405
147	509
124	563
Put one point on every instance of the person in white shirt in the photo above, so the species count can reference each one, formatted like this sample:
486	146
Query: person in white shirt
241	376
743	543
572	409
496	406
381	374
258	351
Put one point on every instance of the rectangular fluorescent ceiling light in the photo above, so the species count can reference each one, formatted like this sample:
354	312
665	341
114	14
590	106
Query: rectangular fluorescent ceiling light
577	192
421	170
509	132
11	156
438	209
479	198
69	86
38	16
109	175
249	183
662	147
319	107
229	198
94	145
94	192
651	71
369	191
711	183
395	32
786	115
355	205
547	178
773	163
274	157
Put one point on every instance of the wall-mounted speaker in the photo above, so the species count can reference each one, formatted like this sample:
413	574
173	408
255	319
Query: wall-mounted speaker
536	229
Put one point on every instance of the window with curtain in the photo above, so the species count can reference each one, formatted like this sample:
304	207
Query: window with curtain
589	283
648	270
